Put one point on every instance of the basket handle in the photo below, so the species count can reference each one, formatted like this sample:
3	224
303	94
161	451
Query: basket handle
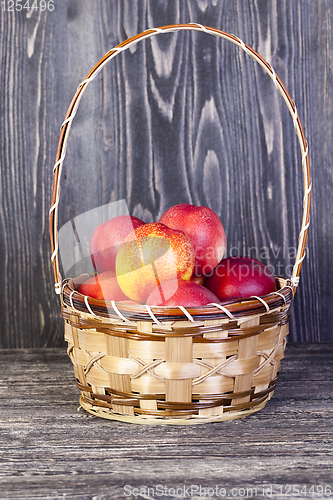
65	128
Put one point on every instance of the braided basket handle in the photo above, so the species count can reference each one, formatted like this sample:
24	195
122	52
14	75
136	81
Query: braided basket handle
65	128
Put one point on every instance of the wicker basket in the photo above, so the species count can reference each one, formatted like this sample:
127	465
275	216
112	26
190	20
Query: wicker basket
171	365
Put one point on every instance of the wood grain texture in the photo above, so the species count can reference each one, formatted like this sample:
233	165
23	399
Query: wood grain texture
50	450
179	118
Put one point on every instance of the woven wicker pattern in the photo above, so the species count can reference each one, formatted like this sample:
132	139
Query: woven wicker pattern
176	371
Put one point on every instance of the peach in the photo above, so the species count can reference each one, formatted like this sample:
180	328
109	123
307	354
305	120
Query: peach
104	286
107	238
150	255
181	293
205	230
241	277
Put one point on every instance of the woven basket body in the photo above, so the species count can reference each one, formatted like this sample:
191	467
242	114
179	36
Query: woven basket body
174	365
176	370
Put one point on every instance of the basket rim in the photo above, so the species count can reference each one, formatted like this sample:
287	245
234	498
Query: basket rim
131	313
66	125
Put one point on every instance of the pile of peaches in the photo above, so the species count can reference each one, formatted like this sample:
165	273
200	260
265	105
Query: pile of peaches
177	261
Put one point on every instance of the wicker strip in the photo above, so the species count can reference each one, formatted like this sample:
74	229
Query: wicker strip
213	361
247	349
147	376
178	350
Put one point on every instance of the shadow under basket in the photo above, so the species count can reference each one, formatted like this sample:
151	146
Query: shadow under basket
176	366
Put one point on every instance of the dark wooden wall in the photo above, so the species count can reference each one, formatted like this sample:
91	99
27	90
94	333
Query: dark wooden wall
179	118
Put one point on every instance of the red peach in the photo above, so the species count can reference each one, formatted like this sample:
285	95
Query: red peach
104	286
205	231
241	277
107	238
151	254
181	293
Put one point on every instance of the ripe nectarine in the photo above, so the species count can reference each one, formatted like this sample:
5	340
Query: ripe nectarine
241	277
181	293
151	254
107	238
104	286
205	230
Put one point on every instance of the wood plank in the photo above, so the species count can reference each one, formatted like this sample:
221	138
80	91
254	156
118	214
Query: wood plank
50	450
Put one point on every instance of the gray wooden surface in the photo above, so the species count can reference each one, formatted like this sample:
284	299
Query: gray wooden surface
49	450
181	118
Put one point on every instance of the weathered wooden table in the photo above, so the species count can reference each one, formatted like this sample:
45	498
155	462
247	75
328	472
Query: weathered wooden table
49	450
